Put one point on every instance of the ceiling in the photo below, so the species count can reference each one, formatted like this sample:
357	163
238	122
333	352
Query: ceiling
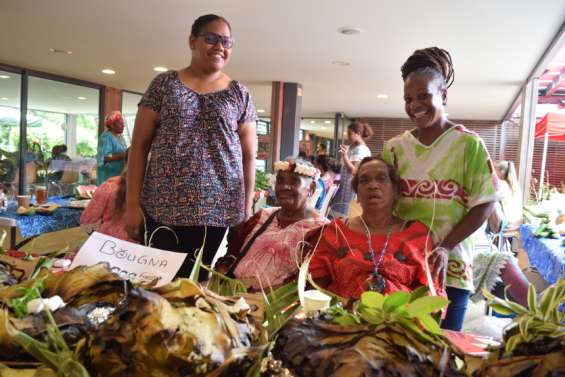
494	44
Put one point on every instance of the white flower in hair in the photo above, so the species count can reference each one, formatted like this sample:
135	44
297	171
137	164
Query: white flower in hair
299	168
282	165
308	171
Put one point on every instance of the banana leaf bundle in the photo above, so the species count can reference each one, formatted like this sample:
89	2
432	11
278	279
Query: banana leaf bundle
382	336
84	290
534	344
117	329
175	330
8	275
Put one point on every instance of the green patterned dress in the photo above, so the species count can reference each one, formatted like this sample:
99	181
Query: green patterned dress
440	183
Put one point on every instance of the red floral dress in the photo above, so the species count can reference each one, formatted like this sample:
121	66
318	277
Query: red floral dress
342	257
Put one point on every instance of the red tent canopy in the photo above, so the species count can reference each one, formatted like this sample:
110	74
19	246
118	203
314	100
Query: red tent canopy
554	124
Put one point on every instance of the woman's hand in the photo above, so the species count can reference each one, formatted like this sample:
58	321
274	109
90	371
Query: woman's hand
438	260
343	149
134	222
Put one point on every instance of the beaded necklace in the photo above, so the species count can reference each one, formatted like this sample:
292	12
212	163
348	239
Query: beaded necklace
377	281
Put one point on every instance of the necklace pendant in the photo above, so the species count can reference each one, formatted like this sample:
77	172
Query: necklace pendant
378	282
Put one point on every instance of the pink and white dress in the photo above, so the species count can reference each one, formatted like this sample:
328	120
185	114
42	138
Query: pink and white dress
276	254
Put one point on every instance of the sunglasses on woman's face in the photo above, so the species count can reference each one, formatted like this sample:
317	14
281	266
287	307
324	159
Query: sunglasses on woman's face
213	39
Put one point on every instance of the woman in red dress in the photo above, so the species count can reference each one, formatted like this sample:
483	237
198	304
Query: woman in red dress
375	251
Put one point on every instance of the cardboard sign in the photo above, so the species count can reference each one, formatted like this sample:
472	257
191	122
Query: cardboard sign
130	261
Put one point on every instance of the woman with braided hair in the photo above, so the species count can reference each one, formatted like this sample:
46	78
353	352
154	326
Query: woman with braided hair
447	177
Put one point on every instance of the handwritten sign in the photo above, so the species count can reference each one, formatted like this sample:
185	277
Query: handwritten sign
129	260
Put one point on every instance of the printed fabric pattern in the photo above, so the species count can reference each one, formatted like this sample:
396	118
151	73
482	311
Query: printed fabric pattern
440	183
195	173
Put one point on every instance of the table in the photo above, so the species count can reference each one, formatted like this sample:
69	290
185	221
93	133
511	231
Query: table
545	254
33	225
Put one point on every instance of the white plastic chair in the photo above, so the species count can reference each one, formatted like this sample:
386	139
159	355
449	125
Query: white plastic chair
314	198
329	196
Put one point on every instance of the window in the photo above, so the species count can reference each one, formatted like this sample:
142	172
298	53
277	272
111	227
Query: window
62	135
10	84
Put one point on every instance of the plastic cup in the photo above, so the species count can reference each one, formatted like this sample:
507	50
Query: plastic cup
315	300
41	194
23	200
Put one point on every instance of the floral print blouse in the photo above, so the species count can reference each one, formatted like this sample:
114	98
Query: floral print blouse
195	173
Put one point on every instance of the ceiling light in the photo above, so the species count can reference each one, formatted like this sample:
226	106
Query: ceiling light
341	63
60	51
260	111
108	71
312	122
328	122
5	77
382	96
81	98
160	69
4	98
350	30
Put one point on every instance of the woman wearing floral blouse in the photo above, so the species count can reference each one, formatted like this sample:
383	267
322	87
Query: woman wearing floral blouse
199	126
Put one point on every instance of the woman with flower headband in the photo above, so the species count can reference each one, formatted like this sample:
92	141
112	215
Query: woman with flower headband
375	251
111	149
267	249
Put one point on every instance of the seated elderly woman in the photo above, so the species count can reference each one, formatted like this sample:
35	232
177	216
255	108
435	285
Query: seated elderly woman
267	249
376	250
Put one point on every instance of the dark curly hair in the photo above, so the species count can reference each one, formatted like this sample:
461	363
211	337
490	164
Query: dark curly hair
361	128
205	20
392	173
432	60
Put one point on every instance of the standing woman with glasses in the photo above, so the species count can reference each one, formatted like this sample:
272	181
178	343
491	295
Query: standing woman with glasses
448	180
198	125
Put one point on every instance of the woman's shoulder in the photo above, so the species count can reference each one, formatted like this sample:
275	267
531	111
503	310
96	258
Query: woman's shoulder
166	77
234	84
460	131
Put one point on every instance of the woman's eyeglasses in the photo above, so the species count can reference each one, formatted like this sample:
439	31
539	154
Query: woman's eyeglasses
213	39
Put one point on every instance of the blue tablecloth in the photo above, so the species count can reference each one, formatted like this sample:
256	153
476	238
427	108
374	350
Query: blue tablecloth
32	225
546	255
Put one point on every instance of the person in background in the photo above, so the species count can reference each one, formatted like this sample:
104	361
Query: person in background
511	201
357	133
448	179
56	163
199	125
111	148
322	150
375	251
323	164
106	211
266	250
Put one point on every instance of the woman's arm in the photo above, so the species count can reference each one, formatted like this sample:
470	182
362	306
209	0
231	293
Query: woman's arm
349	165
247	137
496	219
468	224
114	156
144	130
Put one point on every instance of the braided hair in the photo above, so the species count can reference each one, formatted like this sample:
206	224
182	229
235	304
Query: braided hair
434	61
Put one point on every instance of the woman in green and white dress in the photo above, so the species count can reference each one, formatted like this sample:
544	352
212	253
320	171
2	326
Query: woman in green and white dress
447	177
